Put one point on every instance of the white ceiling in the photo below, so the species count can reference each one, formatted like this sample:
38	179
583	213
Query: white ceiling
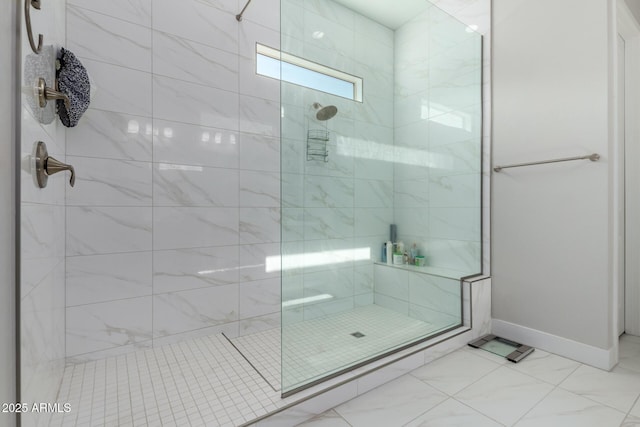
390	13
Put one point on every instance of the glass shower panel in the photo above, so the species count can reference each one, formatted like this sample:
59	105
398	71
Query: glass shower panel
408	154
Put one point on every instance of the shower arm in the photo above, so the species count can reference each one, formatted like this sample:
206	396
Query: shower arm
239	16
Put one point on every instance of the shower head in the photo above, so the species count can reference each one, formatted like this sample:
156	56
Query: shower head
325	113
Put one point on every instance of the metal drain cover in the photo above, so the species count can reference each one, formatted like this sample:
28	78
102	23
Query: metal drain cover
358	334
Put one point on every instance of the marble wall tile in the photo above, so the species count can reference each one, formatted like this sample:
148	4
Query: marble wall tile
42	231
136	11
293	155
336	282
96	230
259	298
109	182
259	225
437	294
102	38
338	37
188	144
363	279
119	89
183	59
260	116
392	282
328	192
34	270
455	223
259	189
184	311
186	269
184	185
259	323
188	227
192	103
292	224
410	193
211	22
455	191
106	325
42	335
91	279
372	221
328	223
459	255
259	261
111	135
373	193
259	153
455	126
250	33
397	305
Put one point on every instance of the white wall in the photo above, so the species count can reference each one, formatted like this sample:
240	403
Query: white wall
551	234
7	211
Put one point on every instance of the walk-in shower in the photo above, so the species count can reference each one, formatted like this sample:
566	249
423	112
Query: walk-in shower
235	182
406	151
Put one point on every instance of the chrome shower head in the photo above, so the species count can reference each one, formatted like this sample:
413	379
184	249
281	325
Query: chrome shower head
325	113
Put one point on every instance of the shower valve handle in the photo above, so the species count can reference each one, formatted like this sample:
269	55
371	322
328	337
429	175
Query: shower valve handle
45	165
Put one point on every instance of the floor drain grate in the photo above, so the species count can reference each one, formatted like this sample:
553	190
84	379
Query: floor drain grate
358	334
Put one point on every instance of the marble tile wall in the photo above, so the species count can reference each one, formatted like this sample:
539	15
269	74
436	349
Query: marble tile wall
338	211
42	230
432	299
177	202
438	124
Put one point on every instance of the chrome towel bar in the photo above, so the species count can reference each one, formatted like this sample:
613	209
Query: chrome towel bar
593	157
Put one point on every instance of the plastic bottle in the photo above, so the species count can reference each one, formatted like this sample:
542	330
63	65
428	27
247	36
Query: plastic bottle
389	252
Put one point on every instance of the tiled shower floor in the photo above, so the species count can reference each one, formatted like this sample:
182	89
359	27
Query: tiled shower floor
316	347
207	381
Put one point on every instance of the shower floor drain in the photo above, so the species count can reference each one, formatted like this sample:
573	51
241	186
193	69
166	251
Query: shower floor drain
358	334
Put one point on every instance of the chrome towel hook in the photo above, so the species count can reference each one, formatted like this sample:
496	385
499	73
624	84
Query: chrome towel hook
27	9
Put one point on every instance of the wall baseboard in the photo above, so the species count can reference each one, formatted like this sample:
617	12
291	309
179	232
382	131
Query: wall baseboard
589	355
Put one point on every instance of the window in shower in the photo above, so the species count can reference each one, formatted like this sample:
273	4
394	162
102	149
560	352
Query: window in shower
293	69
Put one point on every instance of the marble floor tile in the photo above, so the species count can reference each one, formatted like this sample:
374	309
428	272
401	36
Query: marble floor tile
456	371
546	366
636	409
565	409
452	413
326	419
392	404
618	389
504	395
629	353
631	421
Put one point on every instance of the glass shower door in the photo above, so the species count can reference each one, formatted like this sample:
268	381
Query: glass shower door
405	151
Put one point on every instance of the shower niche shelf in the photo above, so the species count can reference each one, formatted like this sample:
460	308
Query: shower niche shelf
317	145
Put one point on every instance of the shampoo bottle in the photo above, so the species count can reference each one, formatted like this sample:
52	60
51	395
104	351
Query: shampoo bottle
389	252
